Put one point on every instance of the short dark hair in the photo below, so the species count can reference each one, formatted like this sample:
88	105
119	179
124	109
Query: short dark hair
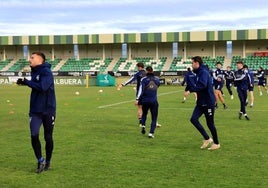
41	55
140	65
245	66
240	62
197	59
218	63
149	69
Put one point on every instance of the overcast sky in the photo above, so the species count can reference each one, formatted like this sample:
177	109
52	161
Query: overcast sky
70	17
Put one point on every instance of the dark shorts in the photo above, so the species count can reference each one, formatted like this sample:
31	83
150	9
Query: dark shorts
229	83
218	86
187	88
262	83
250	88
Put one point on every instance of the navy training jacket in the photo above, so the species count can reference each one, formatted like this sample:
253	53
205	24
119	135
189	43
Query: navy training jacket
43	99
147	92
218	73
136	77
261	75
202	85
241	79
251	75
186	77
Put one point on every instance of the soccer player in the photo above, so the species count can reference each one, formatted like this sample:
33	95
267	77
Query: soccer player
218	81
241	82
205	104
187	75
147	96
262	80
42	107
137	77
229	78
251	85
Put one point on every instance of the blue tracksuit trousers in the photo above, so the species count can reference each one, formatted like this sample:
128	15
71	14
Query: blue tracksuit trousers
209	115
242	94
154	113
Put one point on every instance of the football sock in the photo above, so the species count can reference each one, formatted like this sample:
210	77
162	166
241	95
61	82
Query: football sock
40	160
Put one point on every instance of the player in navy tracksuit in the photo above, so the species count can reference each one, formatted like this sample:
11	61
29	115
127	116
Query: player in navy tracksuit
136	77
241	82
262	80
229	78
205	104
42	107
147	96
218	76
187	76
251	85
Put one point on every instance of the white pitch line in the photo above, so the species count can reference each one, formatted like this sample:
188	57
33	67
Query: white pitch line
115	104
190	109
123	102
171	92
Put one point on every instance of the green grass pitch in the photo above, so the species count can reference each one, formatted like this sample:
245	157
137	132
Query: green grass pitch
98	142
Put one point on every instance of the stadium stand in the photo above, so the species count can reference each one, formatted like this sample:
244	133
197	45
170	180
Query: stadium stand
123	64
86	64
179	65
23	65
247	45
253	62
4	63
20	65
89	64
54	62
211	62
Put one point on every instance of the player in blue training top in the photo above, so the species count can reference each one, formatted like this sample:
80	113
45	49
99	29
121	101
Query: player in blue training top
147	96
136	77
186	78
229	80
205	104
218	76
42	107
262	80
242	81
251	85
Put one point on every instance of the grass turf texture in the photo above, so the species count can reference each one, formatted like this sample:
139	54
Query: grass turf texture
97	145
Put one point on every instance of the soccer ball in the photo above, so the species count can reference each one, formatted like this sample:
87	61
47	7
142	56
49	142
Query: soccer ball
77	93
100	91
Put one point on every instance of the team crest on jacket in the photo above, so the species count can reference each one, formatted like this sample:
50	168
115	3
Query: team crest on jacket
151	85
37	77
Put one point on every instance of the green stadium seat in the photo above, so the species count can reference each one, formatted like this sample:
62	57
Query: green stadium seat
86	64
4	63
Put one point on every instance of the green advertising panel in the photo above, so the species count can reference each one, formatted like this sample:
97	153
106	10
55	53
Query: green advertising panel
105	80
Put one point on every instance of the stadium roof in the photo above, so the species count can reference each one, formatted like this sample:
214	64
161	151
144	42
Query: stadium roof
193	36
